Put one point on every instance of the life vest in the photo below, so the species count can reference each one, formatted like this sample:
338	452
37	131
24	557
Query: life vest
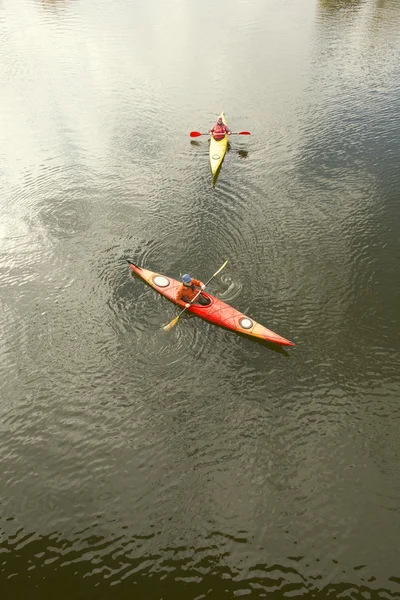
219	131
188	291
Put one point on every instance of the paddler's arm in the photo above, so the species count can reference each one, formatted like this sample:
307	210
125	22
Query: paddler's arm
179	293
198	284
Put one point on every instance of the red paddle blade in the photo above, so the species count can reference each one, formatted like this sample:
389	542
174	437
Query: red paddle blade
195	133
244	132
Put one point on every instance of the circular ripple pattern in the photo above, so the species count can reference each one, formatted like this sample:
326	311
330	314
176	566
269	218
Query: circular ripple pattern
199	463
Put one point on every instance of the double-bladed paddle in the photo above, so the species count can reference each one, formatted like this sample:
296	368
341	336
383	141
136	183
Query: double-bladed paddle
197	133
174	321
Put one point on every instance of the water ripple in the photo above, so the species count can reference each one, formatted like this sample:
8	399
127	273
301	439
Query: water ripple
122	560
197	463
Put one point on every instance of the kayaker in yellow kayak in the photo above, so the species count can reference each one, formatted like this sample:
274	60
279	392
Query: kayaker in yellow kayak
219	130
188	290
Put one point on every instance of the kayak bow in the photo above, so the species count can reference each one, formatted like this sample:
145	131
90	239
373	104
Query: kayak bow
217	312
217	151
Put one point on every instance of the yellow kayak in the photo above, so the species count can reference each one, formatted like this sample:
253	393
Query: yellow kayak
217	151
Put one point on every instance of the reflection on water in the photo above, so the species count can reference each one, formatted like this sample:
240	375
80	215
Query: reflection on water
242	153
335	5
55	5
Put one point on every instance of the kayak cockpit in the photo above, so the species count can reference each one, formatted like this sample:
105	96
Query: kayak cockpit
196	305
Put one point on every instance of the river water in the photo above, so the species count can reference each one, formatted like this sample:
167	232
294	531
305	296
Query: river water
198	464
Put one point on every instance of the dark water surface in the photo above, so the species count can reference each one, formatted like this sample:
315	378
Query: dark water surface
198	464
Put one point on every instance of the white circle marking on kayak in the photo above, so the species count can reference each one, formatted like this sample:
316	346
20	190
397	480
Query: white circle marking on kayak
246	323
160	280
216	156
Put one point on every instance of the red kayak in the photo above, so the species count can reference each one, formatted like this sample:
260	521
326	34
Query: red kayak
216	312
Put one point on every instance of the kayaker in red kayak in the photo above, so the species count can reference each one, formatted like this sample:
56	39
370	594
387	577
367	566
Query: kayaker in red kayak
219	130
188	289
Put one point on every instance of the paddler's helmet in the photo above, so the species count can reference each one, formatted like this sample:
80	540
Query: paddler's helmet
186	278
219	120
